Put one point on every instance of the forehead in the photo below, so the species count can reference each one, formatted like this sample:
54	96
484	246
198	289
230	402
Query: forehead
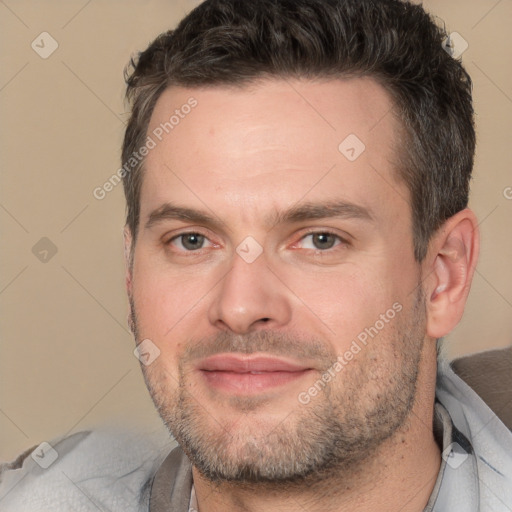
274	141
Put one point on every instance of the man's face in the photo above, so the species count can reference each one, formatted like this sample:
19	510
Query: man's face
293	253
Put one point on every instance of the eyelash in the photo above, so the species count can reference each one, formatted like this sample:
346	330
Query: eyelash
343	241
188	233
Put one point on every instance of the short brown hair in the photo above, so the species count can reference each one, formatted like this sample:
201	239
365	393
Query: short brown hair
396	42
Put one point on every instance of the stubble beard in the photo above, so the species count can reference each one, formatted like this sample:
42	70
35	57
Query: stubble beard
337	432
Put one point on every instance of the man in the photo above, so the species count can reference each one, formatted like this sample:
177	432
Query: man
298	242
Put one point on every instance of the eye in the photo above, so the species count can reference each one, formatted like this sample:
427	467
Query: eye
188	241
321	241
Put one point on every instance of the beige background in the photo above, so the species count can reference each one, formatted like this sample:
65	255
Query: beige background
66	358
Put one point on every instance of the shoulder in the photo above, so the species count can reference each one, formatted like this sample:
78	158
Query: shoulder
489	374
488	438
106	469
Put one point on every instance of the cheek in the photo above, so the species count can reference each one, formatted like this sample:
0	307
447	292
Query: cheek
165	302
341	304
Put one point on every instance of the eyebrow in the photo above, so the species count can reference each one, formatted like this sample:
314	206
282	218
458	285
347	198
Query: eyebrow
297	213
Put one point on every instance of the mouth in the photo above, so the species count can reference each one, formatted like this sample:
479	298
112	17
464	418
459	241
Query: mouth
238	374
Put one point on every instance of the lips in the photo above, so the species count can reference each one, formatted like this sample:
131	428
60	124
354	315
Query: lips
249	375
258	364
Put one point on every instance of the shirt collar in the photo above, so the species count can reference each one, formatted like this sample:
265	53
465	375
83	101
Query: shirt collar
192	507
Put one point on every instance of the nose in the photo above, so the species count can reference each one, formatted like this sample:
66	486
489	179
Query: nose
250	296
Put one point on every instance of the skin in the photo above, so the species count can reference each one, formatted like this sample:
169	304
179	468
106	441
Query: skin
241	156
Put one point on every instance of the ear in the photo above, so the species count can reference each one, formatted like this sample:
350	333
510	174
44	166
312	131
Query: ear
128	239
451	262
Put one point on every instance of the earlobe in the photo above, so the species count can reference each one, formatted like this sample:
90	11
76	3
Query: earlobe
451	271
